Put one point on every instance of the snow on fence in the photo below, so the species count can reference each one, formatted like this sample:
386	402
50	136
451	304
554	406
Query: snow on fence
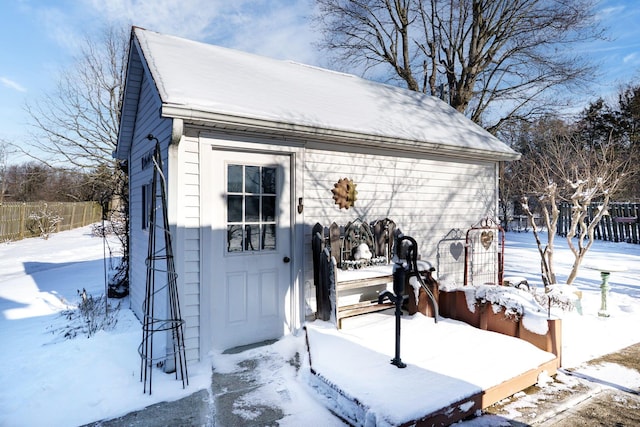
19	220
621	225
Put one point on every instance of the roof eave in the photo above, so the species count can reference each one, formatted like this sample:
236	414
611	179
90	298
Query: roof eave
130	96
355	139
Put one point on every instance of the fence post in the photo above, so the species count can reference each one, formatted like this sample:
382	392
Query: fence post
634	227
73	215
564	219
59	224
23	220
598	230
84	214
560	220
607	225
627	225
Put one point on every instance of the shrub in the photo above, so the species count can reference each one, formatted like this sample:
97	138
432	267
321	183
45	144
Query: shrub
45	221
90	316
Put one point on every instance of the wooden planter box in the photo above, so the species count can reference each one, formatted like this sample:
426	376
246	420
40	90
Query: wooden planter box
551	342
497	322
461	309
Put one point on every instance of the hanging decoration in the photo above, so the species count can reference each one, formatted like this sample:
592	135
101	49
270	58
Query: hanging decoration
486	238
344	193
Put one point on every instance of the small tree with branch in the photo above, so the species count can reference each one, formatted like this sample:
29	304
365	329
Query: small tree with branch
599	181
558	166
46	221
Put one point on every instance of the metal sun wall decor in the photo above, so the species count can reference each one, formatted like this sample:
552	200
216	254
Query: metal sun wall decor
344	193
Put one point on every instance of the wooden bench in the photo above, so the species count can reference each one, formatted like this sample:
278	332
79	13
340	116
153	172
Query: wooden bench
338	271
368	287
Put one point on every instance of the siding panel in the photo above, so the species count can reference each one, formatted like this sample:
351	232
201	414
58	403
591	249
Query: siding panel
189	218
426	197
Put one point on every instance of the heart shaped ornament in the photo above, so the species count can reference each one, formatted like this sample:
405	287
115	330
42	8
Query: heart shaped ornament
456	250
486	238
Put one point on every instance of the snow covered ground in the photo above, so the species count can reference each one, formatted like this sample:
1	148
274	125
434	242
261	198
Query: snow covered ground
51	380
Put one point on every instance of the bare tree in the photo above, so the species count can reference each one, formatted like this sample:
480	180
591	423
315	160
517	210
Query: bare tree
78	123
35	182
478	55
560	167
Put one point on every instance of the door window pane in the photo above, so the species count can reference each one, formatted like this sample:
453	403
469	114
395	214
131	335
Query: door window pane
252	179
234	179
268	180
268	208
234	238
234	208
252	237
269	237
252	212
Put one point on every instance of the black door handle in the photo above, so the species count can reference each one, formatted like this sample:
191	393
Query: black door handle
286	260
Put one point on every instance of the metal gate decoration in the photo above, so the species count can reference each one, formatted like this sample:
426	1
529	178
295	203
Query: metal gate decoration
484	253
450	259
161	289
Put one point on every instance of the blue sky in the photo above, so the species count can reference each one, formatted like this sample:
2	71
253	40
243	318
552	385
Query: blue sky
38	39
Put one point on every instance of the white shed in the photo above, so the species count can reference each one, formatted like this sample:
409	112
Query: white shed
252	148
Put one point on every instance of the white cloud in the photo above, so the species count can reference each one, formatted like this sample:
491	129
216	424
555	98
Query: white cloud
274	28
280	31
60	25
607	12
190	19
12	84
630	58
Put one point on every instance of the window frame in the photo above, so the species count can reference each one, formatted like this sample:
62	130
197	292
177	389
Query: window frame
248	243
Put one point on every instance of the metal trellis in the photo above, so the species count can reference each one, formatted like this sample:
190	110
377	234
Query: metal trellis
161	288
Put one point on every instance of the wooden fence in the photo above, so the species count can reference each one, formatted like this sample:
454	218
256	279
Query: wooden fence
16	224
621	225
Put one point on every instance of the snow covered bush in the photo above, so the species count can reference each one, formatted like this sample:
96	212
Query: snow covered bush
564	297
516	302
90	316
45	221
116	225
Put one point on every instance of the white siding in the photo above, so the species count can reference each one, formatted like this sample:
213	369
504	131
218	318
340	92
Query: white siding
147	122
188	221
425	196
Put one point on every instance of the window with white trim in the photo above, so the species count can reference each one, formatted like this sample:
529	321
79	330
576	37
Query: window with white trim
251	208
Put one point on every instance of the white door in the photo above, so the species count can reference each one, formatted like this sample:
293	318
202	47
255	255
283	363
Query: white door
251	247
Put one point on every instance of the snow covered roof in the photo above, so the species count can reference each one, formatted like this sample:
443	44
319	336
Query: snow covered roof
198	81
